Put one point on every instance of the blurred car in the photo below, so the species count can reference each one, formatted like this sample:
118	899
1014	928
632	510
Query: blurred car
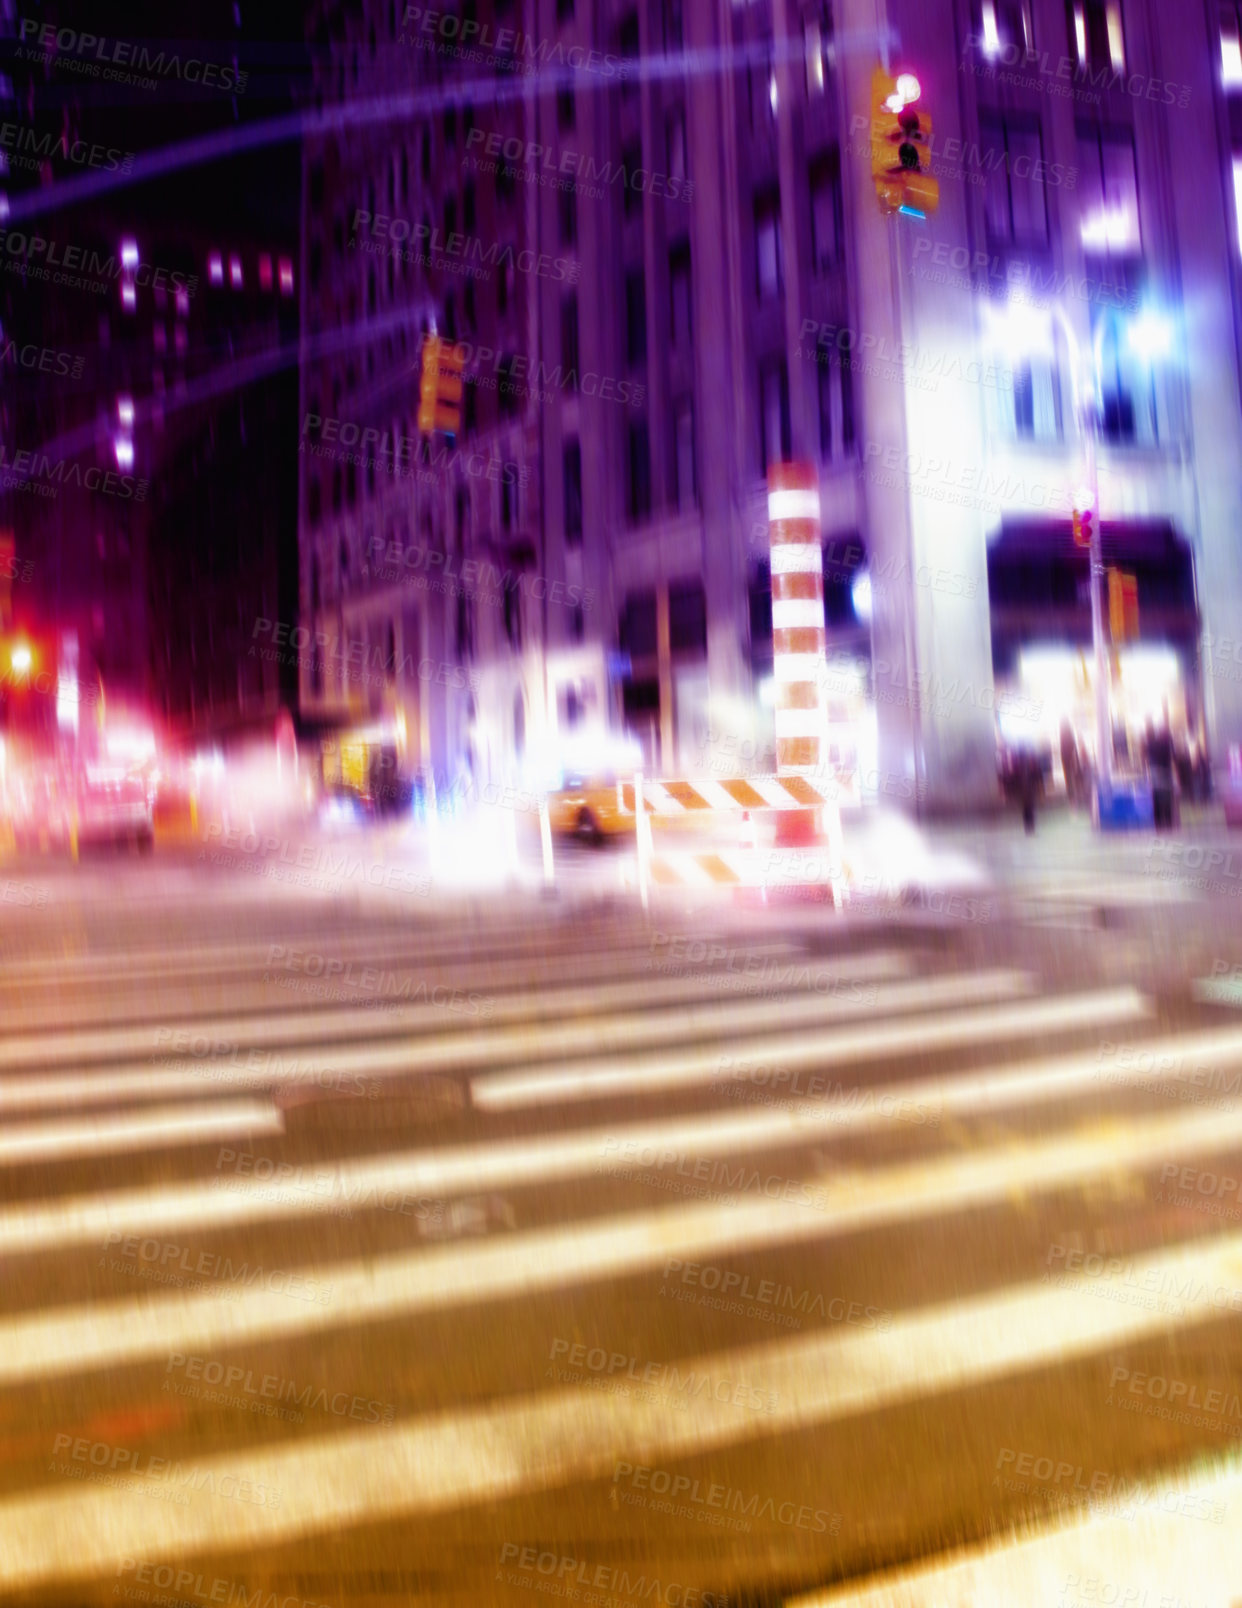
115	806
588	809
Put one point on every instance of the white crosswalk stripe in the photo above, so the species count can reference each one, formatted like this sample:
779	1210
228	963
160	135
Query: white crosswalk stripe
754	1114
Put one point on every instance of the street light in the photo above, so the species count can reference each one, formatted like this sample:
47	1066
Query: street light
1024	331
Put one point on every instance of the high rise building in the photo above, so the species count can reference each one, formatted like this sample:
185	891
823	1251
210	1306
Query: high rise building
655	231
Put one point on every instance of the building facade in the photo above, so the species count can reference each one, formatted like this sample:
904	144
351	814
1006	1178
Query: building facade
654	231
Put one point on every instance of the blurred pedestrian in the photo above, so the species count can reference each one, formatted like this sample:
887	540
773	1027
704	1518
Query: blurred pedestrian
1071	763
1030	777
1158	753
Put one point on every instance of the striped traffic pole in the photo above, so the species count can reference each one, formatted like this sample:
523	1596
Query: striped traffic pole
798	654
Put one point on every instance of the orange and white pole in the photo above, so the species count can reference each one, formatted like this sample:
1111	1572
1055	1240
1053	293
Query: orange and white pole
798	655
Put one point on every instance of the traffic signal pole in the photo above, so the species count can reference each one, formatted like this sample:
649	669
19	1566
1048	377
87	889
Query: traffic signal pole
1103	673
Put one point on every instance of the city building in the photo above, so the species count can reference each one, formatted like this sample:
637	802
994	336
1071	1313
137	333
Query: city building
153	333
654	230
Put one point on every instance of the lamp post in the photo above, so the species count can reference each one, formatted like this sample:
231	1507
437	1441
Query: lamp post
1023	333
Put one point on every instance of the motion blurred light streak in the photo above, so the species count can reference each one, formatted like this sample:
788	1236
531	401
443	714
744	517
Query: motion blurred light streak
86	1218
496	89
166	1125
464	1049
543	1441
106	1334
244	1033
1148	1560
777	1004
501	1091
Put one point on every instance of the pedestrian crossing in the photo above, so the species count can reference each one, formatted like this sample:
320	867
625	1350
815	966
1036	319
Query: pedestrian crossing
823	1233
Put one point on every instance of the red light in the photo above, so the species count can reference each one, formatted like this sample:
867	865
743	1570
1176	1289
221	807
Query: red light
265	272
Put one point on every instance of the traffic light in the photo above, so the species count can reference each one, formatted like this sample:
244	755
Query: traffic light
1083	526
901	147
440	387
1123	616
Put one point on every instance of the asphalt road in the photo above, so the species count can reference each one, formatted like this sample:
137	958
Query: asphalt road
365	1249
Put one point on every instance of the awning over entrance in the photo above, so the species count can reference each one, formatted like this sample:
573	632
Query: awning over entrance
1038	584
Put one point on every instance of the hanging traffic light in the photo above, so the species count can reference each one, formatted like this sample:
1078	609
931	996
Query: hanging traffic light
885	135
440	387
901	147
1083	526
1123	616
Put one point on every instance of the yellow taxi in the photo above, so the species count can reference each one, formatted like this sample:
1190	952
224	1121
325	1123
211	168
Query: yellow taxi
592	808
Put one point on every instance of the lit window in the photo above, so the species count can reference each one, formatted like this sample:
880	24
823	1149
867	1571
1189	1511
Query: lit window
124	449
814	58
286	276
769	267
215	268
129	254
129	297
265	272
1116	39
1108	193
235	272
1237	195
1230	47
125	411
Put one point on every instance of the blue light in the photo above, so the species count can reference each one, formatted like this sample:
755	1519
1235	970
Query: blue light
913	212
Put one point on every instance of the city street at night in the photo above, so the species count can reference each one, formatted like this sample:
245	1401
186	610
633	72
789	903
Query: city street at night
363	1253
621	803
